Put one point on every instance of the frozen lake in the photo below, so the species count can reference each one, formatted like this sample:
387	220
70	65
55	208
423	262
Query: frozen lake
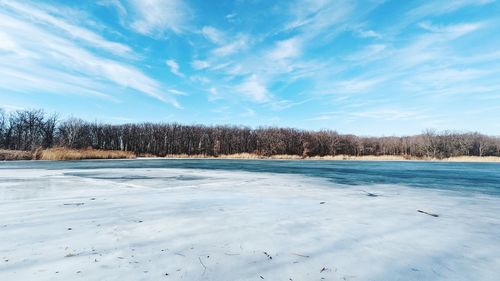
249	220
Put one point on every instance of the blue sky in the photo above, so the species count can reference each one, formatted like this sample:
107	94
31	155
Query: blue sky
369	67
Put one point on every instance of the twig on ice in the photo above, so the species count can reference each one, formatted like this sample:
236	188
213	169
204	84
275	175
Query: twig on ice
369	194
268	255
423	212
304	256
230	254
204	267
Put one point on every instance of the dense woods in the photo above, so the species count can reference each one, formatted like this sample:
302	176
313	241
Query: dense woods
29	130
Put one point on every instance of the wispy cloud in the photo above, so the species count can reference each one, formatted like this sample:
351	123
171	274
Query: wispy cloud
43	15
390	114
286	49
254	88
248	112
441	7
200	64
155	17
316	15
174	67
381	113
368	53
213	34
43	55
451	31
356	85
367	33
233	47
10	108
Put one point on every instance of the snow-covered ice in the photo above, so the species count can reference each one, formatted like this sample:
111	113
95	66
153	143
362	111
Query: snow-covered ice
188	224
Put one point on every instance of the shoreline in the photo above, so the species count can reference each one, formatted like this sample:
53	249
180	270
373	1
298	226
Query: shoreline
61	154
385	158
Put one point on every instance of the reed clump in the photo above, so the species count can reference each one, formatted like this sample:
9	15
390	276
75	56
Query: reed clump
10	155
57	154
473	159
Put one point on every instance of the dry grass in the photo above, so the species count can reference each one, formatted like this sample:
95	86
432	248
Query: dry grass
81	154
473	159
233	156
340	157
366	158
241	156
15	155
294	157
181	156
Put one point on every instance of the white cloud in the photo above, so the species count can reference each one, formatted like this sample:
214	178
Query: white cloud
451	31
429	48
424	53
313	17
355	85
44	16
7	43
383	113
286	49
248	113
200	79
237	45
367	34
253	88
154	17
8	108
200	64
391	114
450	76
214	94
177	92
441	7
174	67
370	52
40	58
453	81
214	35
231	16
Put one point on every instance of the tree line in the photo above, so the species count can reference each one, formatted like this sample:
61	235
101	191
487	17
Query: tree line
28	130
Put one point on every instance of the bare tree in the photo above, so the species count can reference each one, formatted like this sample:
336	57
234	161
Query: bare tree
31	129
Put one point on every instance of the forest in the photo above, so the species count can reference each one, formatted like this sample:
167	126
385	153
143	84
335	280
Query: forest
29	130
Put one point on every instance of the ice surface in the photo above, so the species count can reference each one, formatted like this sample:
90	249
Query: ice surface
188	224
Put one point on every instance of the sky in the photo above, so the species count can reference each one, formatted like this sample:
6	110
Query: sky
367	67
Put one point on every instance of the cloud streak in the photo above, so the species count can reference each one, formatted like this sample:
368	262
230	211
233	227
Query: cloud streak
174	67
155	17
254	88
40	50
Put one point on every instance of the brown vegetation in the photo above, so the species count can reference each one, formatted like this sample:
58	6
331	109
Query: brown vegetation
339	157
15	155
81	154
